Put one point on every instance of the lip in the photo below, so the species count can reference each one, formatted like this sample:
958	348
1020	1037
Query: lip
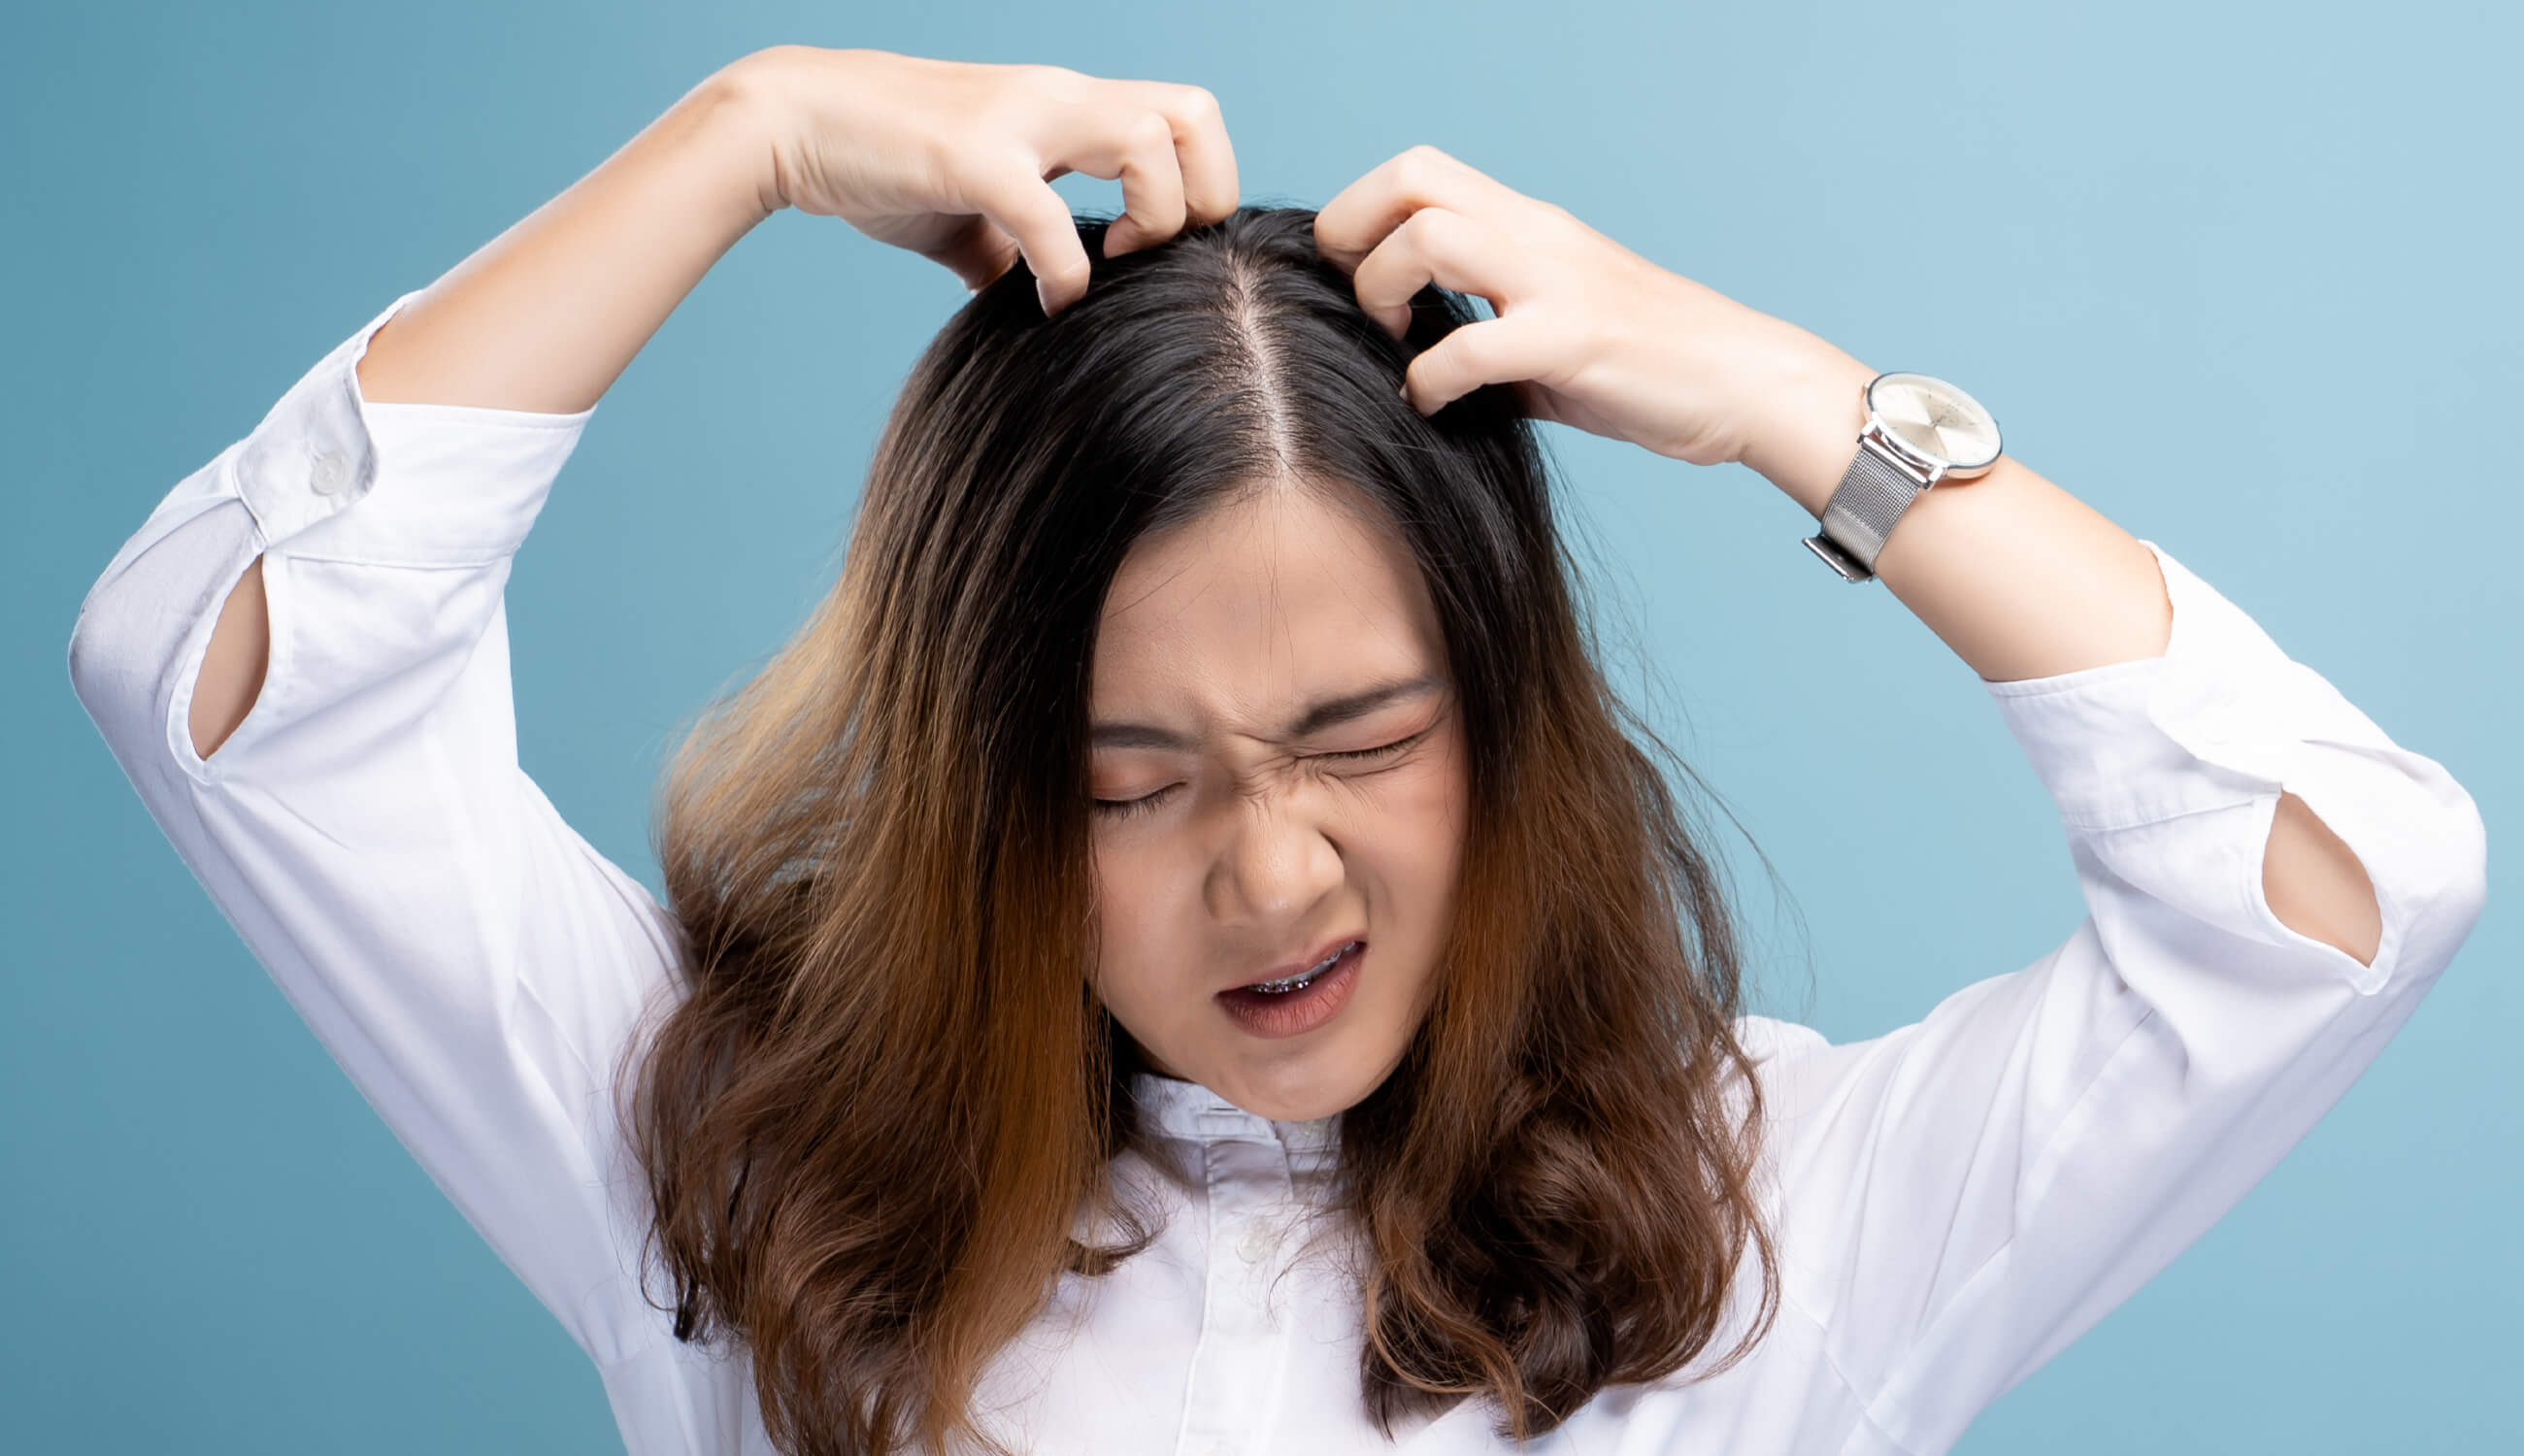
1261	1014
1282	972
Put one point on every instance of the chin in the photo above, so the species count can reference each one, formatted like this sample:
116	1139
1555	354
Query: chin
1300	1091
1294	1109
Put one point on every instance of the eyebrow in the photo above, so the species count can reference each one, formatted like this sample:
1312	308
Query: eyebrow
1319	715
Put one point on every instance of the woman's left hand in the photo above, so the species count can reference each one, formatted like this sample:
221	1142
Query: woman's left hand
1590	333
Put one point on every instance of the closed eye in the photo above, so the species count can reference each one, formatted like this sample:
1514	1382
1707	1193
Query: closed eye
1395	747
1122	808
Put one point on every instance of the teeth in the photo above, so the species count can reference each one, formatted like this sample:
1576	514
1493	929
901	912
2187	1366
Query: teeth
1294	982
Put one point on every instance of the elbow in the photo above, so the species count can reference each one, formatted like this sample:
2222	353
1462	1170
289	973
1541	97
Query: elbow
140	631
104	673
2437	891
128	635
2400	903
2463	881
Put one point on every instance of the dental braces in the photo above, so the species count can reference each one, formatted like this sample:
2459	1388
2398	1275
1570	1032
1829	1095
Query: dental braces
1300	983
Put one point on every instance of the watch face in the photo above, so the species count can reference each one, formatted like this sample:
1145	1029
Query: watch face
1935	421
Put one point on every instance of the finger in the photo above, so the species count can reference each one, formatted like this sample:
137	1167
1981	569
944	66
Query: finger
1206	162
1357	218
1025	207
1142	155
1434	245
1494	351
1205	174
978	253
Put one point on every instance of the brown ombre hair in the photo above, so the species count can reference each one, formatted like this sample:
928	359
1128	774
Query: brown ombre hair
870	1129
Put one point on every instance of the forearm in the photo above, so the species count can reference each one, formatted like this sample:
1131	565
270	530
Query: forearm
2025	580
546	316
2019	578
543	317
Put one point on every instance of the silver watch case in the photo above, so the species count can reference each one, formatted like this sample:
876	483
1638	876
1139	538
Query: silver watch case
1920	432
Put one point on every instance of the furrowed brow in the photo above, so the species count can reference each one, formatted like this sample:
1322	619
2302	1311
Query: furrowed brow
1323	713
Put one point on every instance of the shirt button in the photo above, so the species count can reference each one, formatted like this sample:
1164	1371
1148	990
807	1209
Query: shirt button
327	472
1255	1244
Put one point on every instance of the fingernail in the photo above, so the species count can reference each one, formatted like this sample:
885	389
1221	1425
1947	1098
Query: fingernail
1043	297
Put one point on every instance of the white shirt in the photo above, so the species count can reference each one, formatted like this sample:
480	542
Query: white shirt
1956	1201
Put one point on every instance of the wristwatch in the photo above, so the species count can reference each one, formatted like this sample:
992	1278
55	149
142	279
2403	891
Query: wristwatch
1920	430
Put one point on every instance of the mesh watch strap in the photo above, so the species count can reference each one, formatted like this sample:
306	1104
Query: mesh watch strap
1871	496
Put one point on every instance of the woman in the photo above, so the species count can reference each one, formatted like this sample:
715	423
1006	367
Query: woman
1179	953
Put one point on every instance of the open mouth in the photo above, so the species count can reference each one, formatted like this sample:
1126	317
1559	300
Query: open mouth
1299	1003
1300	983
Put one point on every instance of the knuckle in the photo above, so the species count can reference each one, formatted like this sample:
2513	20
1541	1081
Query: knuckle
1198	102
1437	234
1000	175
1419	171
1149	132
1009	187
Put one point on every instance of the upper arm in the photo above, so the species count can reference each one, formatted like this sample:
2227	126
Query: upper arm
1962	1198
472	963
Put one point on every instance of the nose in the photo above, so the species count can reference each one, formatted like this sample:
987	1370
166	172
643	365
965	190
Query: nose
1279	861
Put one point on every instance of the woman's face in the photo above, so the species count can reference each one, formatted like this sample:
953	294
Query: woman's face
1236	655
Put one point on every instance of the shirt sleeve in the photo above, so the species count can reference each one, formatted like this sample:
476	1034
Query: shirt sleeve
1964	1197
467	959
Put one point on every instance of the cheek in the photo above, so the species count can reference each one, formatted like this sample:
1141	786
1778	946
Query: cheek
1424	819
1129	924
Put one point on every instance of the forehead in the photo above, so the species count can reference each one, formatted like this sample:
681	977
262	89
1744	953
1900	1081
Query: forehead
1273	599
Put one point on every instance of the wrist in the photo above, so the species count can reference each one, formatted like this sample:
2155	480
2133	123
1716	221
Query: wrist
1807	424
740	113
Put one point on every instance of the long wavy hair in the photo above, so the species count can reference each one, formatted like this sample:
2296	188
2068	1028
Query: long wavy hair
870	1125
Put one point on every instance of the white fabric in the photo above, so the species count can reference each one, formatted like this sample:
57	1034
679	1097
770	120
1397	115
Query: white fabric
1957	1200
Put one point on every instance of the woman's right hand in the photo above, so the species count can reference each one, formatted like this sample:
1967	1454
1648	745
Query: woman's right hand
954	160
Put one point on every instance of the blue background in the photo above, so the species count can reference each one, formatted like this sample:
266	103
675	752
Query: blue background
2241	276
